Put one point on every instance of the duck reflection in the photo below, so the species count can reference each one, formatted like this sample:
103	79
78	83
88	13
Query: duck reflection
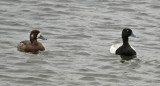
127	58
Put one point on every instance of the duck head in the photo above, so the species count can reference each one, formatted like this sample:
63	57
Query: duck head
35	34
127	32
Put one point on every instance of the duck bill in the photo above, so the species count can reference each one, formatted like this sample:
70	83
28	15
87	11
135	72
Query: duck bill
41	37
133	35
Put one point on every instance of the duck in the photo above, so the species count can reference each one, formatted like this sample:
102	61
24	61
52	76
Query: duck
32	45
124	49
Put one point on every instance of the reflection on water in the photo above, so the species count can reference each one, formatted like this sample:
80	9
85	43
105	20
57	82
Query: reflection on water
79	33
127	58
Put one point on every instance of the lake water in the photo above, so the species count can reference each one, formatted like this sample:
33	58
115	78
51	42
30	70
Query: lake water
79	33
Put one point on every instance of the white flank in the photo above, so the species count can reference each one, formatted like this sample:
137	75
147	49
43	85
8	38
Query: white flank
113	48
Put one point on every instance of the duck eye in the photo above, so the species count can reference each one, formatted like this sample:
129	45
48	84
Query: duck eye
127	30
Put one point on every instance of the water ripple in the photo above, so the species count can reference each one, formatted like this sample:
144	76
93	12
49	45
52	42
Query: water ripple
79	35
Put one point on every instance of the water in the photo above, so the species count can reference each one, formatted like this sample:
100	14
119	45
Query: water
79	33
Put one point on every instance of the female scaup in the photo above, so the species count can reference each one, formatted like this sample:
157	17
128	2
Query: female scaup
124	49
32	45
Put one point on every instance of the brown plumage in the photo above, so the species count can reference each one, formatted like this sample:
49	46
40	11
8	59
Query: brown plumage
32	45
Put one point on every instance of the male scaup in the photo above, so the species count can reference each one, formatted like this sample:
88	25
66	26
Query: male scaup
124	49
32	45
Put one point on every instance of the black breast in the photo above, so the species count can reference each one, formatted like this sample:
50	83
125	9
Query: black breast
125	50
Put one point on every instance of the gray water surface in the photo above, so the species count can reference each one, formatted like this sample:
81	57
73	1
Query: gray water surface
79	33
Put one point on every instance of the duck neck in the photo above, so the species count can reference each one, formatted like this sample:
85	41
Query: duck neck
125	40
34	42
